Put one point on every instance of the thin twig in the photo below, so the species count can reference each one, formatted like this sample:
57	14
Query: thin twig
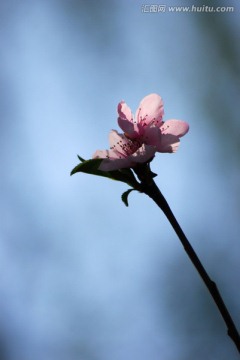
150	188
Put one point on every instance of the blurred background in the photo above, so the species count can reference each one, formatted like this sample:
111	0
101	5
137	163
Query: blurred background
82	276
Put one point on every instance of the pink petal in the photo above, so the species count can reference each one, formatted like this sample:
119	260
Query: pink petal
150	110
115	164
117	142
114	140
126	121
143	154
126	126
124	111
152	136
105	154
175	127
169	143
130	129
121	144
100	154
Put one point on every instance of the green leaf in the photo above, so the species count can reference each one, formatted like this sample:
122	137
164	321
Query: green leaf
125	175
89	167
81	159
92	167
125	196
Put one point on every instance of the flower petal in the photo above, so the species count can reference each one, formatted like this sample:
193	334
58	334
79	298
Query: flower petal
115	139
124	111
121	144
125	120
115	164
152	135
175	127
105	154
150	110
169	143
143	154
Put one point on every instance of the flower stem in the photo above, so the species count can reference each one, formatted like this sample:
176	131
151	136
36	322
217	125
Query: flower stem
150	188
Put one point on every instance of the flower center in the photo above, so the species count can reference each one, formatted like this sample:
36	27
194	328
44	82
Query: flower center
126	146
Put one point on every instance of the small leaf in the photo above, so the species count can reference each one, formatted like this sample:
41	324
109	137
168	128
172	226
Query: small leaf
125	196
153	175
92	167
81	159
124	175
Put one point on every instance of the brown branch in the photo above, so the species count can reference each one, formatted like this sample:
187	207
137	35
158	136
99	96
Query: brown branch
150	188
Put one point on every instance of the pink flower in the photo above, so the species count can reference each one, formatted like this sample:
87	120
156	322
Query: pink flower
149	112
123	153
143	135
148	127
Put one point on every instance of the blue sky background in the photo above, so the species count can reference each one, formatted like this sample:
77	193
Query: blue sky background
82	276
